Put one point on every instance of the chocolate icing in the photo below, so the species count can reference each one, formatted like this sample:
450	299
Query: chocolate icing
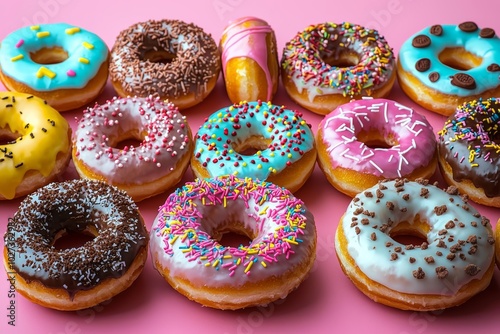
463	138
75	205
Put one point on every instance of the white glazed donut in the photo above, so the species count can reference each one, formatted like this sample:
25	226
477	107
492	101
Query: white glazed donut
155	165
454	263
185	249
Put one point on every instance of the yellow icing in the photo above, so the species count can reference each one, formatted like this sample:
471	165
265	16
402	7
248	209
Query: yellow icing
42	131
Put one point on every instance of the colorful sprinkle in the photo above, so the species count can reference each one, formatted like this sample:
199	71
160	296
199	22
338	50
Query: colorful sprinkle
44	71
71	31
42	34
18	57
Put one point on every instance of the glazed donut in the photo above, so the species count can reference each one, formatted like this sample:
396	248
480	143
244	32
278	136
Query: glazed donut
281	141
78	277
65	65
35	144
329	64
169	59
444	66
156	164
186	252
468	155
365	141
454	263
249	60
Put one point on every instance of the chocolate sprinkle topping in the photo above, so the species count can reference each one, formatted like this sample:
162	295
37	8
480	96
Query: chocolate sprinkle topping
423	64
463	80
487	33
434	76
76	205
493	67
421	41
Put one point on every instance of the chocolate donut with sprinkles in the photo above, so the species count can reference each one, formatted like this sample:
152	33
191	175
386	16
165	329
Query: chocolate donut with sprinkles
156	163
257	140
186	251
169	59
454	262
469	150
330	64
75	278
366	141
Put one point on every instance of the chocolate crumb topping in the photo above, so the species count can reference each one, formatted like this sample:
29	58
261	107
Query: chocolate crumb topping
472	269
441	272
357	229
409	247
438	253
450	224
429	259
424	192
412	259
406	197
450	256
441	244
394	256
462	257
491	240
380	194
373	236
439	210
390	205
398	249
368	194
472	239
424	245
419	273
365	221
452	190
442	232
388	244
472	250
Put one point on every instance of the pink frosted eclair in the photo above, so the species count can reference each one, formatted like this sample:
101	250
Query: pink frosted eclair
249	60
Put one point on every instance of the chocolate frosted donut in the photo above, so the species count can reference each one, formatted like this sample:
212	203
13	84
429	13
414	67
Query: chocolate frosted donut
78	277
169	59
469	150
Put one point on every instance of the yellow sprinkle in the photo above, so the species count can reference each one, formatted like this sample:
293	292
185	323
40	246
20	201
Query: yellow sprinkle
244	164
290	155
88	45
225	201
263	264
247	269
44	71
173	239
42	34
35	27
238	262
207	264
204	257
18	57
71	31
259	166
190	249
290	241
227	257
215	263
83	60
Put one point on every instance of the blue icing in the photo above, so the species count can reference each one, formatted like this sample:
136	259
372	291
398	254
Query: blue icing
452	37
25	41
287	133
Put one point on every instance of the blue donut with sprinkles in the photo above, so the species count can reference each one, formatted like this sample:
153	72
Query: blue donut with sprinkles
65	65
257	140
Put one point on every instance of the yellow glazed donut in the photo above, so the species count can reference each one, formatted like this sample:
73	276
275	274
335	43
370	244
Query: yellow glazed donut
65	65
329	64
443	66
453	263
186	251
35	144
77	277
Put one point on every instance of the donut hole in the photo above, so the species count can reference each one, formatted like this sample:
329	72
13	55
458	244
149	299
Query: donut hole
233	238
459	59
7	136
159	56
251	145
375	139
47	56
340	58
70	238
410	234
127	140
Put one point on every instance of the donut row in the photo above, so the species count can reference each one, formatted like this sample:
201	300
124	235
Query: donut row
248	157
322	67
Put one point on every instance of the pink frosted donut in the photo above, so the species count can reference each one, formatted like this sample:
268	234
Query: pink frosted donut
186	250
155	164
368	140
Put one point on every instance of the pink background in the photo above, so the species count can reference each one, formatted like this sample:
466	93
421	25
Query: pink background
327	299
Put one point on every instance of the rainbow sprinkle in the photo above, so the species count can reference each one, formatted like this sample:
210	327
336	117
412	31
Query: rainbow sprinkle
303	58
280	226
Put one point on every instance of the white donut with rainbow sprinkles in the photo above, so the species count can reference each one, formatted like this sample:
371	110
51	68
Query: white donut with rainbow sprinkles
185	248
366	141
453	263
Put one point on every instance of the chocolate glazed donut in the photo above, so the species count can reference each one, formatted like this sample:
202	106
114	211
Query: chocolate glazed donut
78	277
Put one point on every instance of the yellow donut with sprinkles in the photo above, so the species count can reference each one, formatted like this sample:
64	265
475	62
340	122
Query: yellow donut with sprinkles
65	65
35	144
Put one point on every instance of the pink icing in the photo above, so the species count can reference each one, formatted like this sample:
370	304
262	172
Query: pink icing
237	45
416	142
